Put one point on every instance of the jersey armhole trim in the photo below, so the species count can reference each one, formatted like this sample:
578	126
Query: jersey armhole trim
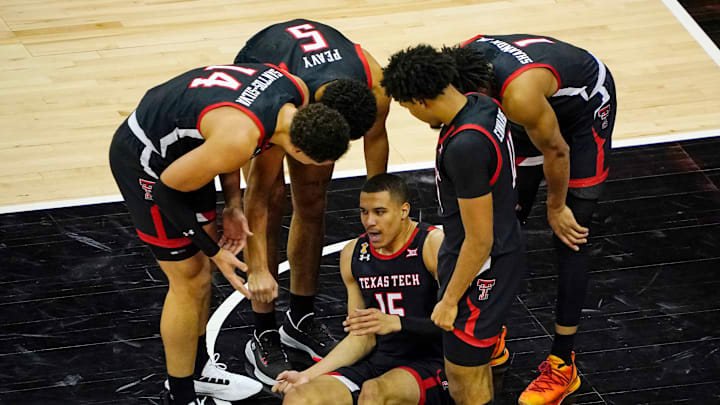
249	113
305	97
364	61
494	142
473	39
528	67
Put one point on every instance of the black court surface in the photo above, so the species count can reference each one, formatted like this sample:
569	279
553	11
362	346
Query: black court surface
81	296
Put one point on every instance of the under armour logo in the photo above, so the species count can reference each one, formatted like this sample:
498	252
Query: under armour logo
364	258
189	233
412	252
485	286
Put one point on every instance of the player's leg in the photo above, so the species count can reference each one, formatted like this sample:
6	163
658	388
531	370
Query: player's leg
322	390
307	231
529	169
263	350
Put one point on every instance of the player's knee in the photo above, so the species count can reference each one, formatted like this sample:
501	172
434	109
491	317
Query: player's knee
371	393
194	283
463	395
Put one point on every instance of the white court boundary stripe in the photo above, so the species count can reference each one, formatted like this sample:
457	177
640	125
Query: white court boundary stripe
342	174
225	309
694	29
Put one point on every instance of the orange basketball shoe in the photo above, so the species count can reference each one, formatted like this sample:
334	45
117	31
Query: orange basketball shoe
556	381
500	355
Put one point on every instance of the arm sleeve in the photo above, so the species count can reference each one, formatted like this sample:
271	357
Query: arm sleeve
175	207
470	162
419	326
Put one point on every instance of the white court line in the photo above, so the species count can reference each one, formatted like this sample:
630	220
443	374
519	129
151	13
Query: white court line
342	174
694	29
223	311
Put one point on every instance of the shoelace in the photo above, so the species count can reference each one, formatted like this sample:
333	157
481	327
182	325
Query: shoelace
271	351
320	332
220	368
549	377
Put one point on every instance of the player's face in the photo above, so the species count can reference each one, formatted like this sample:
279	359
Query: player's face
382	217
420	111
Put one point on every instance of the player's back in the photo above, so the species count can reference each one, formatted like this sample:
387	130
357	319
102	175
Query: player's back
168	117
316	52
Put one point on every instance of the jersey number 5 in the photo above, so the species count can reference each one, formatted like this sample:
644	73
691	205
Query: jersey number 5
390	298
308	31
221	79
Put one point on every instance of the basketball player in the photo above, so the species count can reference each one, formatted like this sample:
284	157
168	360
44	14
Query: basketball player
164	157
562	99
482	258
340	74
392	353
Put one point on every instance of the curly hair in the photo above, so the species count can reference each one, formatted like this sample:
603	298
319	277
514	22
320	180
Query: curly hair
475	72
320	132
393	184
355	101
418	73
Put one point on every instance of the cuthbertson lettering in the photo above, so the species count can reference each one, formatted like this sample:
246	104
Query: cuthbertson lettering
250	93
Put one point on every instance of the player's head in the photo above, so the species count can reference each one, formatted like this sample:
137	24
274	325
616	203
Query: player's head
355	101
319	135
417	75
475	72
384	208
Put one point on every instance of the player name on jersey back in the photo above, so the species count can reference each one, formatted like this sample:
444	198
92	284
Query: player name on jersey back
522	57
329	56
257	86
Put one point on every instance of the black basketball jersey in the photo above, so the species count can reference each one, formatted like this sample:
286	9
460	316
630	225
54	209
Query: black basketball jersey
579	74
398	284
168	116
475	157
315	52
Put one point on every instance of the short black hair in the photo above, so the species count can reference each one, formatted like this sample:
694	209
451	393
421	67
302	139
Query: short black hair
418	73
395	185
355	101
320	132
475	72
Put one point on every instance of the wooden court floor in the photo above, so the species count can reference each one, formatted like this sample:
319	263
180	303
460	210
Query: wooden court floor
72	70
80	296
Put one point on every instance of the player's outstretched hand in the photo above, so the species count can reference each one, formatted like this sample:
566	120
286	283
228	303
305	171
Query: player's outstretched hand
371	321
227	262
444	315
235	230
289	379
563	223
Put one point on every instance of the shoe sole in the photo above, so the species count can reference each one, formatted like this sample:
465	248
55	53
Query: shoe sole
216	397
288	340
265	379
572	388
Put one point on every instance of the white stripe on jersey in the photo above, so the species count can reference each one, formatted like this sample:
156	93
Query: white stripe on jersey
582	91
149	147
175	136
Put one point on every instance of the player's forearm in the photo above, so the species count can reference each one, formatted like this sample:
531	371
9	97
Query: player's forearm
376	149
256	212
473	254
556	161
230	183
349	351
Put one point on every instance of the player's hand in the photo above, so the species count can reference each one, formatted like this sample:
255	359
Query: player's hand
262	285
288	380
563	223
444	315
235	230
227	262
371	321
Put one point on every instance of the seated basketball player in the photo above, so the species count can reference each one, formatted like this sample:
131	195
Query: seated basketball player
562	99
164	157
393	352
482	259
342	75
